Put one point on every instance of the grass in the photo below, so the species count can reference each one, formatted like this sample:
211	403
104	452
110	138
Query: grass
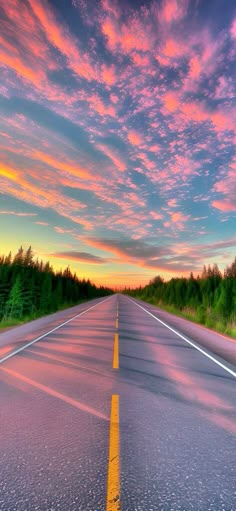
208	319
11	322
6	324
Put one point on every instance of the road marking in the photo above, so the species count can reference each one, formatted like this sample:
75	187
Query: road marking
116	323
15	352
116	351
113	479
187	340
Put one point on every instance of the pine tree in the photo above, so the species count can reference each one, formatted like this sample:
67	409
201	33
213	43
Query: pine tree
45	303
19	257
28	257
15	303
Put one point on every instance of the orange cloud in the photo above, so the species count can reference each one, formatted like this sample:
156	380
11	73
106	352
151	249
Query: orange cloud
179	217
41	193
140	60
108	74
65	166
134	137
127	37
8	172
60	37
222	122
194	111
16	64
171	101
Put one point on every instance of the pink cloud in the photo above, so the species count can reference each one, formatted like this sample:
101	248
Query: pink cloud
22	69
60	37
155	148
172	11
195	67
223	121
135	198
140	60
134	137
156	216
179	217
66	166
174	49
108	74
233	29
111	7
224	205
16	213
114	157
95	103
129	36
59	230
226	186
172	203
225	88
171	101
194	111
114	98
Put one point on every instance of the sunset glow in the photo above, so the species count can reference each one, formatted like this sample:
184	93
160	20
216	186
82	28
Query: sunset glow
117	135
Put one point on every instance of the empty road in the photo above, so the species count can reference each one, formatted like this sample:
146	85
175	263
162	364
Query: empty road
116	405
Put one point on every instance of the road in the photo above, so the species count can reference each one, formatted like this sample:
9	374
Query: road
116	409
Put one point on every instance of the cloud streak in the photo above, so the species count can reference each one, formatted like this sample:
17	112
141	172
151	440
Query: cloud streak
79	257
118	125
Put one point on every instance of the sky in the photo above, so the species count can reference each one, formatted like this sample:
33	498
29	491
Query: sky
117	135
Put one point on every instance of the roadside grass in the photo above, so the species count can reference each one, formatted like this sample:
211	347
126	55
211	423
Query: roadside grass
207	319
7	324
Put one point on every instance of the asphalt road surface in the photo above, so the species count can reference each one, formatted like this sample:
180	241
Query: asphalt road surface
116	405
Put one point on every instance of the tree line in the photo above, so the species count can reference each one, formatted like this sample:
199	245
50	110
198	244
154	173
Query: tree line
209	299
30	288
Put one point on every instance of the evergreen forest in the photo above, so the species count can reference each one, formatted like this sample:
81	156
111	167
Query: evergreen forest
209	299
30	288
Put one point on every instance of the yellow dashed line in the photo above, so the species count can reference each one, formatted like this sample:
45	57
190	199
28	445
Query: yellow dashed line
113	480
116	351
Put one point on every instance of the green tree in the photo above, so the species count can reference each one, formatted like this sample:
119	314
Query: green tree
46	304
15	303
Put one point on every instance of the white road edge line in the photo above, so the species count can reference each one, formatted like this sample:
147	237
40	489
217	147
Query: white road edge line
187	340
15	352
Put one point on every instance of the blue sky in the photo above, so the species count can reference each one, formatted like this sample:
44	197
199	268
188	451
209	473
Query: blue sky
118	135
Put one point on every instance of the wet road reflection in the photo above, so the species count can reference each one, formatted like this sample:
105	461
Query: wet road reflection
177	417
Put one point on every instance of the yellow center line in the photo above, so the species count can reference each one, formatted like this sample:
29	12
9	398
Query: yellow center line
113	479
116	351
